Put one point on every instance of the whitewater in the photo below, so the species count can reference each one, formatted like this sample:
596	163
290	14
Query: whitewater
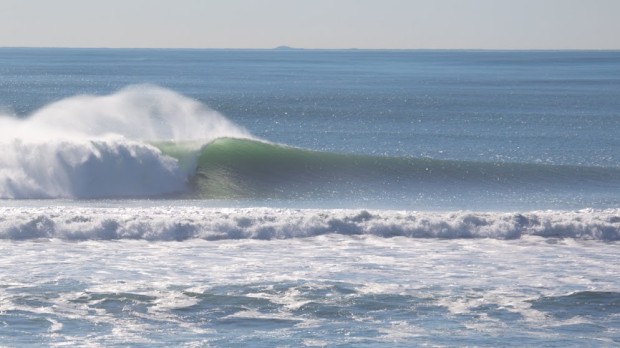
99	146
309	198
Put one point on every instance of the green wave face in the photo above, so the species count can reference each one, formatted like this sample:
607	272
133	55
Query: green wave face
233	168
230	168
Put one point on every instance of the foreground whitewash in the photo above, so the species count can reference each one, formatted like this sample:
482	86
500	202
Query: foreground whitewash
318	291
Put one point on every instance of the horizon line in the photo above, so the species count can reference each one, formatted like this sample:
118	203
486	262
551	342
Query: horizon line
290	48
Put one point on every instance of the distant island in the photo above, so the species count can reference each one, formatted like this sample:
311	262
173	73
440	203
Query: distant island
289	48
285	48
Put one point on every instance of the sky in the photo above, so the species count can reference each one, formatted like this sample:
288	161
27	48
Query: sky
375	24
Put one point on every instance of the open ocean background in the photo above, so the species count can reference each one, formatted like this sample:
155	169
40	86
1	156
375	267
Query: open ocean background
309	198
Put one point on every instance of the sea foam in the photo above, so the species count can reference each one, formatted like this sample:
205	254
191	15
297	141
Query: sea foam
99	146
179	223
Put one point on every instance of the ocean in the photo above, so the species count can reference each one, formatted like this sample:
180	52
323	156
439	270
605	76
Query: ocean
317	198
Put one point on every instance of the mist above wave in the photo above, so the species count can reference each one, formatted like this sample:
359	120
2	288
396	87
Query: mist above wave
138	112
97	146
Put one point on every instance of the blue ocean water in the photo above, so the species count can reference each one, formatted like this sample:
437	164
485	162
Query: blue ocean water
309	197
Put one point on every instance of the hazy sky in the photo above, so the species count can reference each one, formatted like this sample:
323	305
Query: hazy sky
485	24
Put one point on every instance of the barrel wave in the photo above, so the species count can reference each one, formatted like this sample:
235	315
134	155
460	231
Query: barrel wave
146	141
229	168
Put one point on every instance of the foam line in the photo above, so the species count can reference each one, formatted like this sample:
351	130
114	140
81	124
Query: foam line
184	223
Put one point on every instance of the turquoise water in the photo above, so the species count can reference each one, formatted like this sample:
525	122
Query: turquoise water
309	198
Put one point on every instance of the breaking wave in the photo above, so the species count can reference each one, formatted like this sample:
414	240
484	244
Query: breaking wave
184	223
99	146
146	141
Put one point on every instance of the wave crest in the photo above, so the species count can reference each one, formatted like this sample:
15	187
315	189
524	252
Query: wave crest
97	146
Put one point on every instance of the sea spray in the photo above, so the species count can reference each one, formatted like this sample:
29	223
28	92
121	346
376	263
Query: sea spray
99	146
140	112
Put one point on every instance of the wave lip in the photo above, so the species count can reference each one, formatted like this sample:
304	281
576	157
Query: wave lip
184	223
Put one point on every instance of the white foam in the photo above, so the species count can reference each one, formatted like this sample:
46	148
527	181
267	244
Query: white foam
182	223
97	146
111	166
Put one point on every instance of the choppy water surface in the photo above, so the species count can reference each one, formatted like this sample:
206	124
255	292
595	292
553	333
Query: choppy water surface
319	291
